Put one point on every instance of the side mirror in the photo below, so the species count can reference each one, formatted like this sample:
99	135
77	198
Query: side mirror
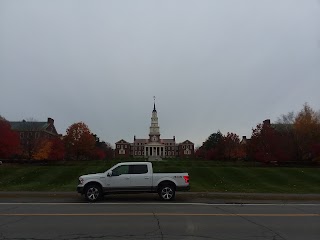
109	174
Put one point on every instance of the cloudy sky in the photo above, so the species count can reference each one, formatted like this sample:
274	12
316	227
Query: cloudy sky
212	65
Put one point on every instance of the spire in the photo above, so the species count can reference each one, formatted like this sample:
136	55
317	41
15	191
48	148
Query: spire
154	104
154	127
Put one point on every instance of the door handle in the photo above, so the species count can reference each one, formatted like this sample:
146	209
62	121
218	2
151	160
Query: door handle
127	178
146	178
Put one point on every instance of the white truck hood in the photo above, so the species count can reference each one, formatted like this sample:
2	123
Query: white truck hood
93	176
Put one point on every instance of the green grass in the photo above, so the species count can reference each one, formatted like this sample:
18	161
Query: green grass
204	176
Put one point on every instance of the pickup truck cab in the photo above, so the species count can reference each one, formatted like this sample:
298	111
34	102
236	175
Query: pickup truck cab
132	177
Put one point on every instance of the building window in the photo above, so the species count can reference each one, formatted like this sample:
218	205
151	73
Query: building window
183	147
122	151
173	153
135	153
139	153
187	152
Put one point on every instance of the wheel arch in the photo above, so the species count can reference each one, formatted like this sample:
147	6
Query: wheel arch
93	183
166	182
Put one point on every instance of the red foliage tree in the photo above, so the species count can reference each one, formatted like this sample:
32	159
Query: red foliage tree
232	147
57	149
268	145
9	140
98	153
79	141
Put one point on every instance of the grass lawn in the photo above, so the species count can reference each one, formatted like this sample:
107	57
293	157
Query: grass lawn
204	176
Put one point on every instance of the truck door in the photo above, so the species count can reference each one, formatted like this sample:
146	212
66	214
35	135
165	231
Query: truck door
141	177
120	179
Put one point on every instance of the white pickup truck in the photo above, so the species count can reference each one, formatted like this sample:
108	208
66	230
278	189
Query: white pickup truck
132	177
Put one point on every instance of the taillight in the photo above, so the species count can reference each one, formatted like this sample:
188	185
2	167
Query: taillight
186	179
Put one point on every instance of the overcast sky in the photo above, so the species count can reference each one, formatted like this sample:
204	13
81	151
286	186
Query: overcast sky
212	65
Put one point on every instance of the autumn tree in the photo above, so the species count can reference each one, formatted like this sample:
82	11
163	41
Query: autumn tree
50	149
232	149
212	147
9	140
269	145
57	149
44	150
79	141
307	131
102	149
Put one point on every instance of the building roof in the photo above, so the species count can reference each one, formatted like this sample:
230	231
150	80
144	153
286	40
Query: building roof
29	126
141	140
187	142
121	141
34	126
167	140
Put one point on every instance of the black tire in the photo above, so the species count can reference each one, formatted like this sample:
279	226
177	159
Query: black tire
93	192
167	192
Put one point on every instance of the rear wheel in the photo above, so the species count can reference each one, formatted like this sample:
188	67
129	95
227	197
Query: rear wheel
167	192
93	192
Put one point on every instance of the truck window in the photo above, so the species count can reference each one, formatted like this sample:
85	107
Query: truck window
138	169
124	169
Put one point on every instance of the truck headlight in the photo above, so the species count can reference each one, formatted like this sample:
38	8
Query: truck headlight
81	180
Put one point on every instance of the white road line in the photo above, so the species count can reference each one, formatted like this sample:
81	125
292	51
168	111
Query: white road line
195	204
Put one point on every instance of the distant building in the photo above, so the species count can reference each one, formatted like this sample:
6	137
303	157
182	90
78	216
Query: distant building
154	146
33	130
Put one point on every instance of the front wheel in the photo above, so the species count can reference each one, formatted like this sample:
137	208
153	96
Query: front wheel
93	192
167	192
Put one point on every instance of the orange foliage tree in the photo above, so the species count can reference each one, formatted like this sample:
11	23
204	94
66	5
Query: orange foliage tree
44	150
307	131
79	141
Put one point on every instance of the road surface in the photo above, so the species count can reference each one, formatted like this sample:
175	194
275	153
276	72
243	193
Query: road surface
156	220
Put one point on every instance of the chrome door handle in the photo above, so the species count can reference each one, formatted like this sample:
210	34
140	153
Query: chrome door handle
146	178
127	178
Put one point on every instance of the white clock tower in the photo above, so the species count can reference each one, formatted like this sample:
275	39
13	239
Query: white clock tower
154	135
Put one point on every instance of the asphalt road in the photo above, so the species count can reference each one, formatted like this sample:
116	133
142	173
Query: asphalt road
156	220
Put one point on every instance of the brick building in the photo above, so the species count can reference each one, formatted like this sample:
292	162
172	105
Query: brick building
33	130
32	134
154	147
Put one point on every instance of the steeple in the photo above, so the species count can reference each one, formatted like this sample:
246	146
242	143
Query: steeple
154	104
154	128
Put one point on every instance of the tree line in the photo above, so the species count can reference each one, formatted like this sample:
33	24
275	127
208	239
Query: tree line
294	137
79	143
